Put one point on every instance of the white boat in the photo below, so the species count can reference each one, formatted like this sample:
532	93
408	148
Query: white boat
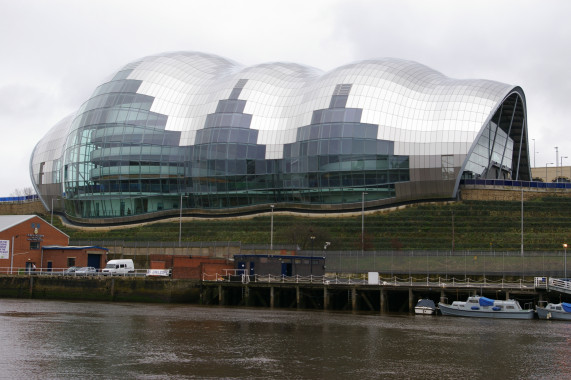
425	307
557	311
482	307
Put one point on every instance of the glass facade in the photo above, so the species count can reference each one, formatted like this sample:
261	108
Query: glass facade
223	138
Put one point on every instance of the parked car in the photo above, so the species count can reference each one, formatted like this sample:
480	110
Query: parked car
71	270
86	271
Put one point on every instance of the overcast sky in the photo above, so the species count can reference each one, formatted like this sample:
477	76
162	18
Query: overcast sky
54	53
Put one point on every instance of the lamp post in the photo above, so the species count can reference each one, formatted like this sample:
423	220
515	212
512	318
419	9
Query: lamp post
452	230
547	163
272	229
534	152
565	259
522	221
556	161
180	222
52	210
363	222
561	175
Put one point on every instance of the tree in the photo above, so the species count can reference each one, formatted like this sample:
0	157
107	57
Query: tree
23	192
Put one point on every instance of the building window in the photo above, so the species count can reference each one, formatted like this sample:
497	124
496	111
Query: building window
34	245
70	262
447	166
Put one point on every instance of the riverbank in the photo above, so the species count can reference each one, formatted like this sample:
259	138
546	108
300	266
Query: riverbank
341	294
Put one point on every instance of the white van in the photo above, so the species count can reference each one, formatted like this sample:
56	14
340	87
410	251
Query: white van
122	267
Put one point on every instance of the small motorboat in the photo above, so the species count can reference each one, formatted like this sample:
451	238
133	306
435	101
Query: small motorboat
482	307
425	306
557	311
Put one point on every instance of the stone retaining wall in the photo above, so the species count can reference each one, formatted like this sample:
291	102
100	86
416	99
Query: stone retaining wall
508	194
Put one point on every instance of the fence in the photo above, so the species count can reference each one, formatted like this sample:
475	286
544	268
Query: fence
391	263
447	264
21	199
511	183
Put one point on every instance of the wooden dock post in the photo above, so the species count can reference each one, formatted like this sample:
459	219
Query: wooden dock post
410	300
354	299
384	306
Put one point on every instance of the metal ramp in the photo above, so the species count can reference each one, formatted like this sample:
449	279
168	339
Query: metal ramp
562	285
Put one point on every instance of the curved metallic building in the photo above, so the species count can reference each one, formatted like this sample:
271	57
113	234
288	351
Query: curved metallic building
194	133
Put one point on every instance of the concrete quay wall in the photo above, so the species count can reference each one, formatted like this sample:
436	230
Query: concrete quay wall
125	289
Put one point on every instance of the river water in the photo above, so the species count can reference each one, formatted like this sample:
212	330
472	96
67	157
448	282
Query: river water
70	340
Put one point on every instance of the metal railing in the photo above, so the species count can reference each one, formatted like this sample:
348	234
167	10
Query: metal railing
231	276
448	263
66	272
511	183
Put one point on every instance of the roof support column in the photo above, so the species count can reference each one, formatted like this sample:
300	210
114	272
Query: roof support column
520	146
494	141
508	136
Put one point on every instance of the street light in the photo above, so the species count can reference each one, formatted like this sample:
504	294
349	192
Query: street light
272	229
556	161
52	210
565	261
534	153
547	163
180	222
561	175
522	221
363	222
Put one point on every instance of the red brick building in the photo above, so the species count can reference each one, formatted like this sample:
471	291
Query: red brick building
186	267
56	257
28	242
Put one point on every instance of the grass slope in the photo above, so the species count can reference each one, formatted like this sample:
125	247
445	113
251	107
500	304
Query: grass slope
473	225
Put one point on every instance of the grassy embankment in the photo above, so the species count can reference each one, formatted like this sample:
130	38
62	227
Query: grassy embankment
473	225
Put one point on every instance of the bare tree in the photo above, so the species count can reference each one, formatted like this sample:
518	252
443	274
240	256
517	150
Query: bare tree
26	191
